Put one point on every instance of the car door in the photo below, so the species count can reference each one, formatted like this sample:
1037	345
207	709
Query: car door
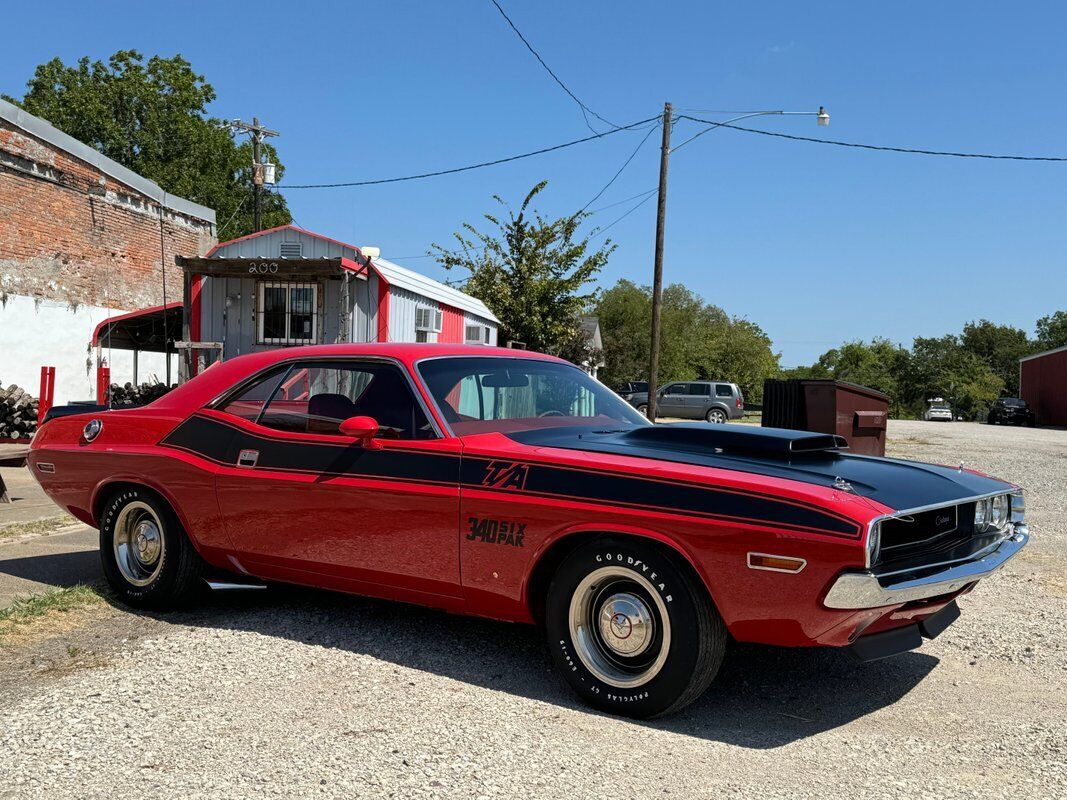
303	503
672	401
697	400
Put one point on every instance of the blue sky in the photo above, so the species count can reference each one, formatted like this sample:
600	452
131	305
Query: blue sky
816	244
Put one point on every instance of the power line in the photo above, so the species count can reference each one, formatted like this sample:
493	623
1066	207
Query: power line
610	225
625	164
586	110
913	151
454	170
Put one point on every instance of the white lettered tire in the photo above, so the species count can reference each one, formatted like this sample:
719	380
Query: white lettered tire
631	629
147	558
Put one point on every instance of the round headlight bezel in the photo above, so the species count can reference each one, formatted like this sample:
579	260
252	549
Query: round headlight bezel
999	512
992	514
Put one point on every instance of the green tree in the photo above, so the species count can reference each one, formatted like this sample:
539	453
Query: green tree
878	364
152	118
698	341
1052	331
534	274
1000	347
942	367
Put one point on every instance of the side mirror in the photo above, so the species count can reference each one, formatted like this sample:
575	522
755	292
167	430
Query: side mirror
362	428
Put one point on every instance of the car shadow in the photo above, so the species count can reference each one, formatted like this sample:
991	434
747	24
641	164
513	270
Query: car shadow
55	569
764	697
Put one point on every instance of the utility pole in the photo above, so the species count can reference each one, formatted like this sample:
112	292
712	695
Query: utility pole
259	174
657	274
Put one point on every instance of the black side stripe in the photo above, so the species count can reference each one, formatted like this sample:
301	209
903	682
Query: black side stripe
216	441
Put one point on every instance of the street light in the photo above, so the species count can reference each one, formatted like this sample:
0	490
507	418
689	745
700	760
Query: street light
822	117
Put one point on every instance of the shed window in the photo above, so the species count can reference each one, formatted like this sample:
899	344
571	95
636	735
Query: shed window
476	334
288	313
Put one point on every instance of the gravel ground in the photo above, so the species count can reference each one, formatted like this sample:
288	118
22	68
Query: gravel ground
301	694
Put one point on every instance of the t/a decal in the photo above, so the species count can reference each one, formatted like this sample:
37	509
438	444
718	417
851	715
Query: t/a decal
506	475
497	531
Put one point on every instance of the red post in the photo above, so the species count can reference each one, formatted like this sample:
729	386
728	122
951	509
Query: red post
48	392
103	385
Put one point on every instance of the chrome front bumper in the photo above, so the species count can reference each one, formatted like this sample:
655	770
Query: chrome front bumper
857	590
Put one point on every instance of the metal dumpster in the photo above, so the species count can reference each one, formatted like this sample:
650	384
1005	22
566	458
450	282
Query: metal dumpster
826	406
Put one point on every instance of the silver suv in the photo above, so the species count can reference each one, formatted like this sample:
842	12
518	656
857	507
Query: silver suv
714	401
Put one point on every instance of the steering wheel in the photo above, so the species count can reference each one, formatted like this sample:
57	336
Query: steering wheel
551	413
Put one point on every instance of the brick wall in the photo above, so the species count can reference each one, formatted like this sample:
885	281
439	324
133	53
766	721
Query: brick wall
71	234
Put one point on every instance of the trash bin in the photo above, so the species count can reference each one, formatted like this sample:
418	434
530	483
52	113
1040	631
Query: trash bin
855	412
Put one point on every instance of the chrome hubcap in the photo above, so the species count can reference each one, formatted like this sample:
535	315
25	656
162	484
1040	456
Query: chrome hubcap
138	543
626	624
619	626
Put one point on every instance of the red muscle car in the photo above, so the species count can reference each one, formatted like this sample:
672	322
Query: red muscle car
512	485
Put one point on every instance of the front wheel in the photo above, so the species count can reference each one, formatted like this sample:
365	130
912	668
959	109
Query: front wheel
147	558
716	416
631	630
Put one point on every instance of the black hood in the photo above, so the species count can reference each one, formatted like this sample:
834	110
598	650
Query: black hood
813	458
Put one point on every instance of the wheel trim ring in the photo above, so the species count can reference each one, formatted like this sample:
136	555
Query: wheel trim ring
134	518
581	624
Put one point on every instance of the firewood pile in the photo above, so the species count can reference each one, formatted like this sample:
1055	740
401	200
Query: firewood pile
129	395
18	413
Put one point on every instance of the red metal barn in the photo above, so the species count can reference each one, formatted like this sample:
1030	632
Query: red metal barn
1043	385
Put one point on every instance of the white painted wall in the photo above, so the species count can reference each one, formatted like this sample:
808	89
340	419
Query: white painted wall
47	333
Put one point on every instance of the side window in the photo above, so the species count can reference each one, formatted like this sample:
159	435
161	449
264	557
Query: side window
316	397
249	402
701	389
724	390
675	388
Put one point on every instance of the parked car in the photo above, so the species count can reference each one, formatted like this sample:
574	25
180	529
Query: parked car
630	388
485	482
1011	411
938	411
714	401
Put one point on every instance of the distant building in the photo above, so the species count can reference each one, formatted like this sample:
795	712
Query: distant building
1043	385
594	344
289	286
82	238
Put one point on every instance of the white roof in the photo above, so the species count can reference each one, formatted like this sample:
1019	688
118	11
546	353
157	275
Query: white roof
396	275
45	131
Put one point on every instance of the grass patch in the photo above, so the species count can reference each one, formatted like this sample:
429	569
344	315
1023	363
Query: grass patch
36	527
55	601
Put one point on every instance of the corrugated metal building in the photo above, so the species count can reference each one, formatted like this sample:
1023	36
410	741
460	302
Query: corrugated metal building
288	286
1043	385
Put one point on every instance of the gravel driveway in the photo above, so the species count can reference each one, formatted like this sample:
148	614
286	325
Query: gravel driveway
301	694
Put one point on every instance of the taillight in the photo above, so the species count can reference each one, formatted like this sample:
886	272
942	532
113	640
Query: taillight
740	402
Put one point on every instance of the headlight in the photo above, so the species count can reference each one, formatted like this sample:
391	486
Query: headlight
993	514
998	516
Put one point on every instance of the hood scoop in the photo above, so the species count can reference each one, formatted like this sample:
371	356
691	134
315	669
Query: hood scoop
735	439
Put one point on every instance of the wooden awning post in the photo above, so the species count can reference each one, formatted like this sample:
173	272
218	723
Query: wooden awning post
187	304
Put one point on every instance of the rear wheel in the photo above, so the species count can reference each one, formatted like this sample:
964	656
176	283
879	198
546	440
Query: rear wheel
631	630
147	558
643	409
716	416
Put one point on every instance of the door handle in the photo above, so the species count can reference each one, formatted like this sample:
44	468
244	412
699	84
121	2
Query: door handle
247	458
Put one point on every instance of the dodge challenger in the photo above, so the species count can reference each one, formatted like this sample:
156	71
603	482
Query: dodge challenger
512	485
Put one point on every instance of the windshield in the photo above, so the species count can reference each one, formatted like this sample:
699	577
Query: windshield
495	394
1012	401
